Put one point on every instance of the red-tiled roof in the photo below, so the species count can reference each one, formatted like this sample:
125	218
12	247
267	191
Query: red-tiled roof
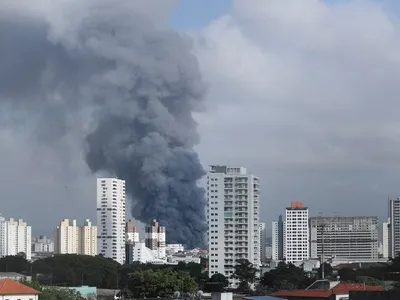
11	287
340	289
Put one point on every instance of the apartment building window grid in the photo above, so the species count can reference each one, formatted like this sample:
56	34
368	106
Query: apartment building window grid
233	218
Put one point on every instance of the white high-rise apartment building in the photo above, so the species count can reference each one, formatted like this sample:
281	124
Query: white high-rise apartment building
296	233
15	238
88	239
111	218
263	242
233	219
385	238
66	238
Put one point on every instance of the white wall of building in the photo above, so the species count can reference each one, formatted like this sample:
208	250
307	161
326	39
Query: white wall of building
111	218
66	238
88	239
385	238
174	248
19	297
42	244
233	219
297	233
142	254
132	237
15	237
275	244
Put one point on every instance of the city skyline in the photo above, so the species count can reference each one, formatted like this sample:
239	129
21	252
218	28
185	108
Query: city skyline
297	112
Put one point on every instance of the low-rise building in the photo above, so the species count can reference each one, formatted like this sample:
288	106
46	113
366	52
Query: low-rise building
174	248
13	290
177	258
325	289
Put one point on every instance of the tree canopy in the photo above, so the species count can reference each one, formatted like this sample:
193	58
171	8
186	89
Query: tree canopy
151	283
246	274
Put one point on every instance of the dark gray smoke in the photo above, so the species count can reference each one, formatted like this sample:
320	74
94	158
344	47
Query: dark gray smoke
137	85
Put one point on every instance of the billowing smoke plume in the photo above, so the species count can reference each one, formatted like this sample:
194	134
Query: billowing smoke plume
137	85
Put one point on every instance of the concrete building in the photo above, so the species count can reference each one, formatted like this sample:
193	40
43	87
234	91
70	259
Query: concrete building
155	239
131	232
385	238
296	233
138	252
354	238
88	239
233	219
394	227
66	238
71	238
15	238
177	258
278	239
263	242
42	244
174	248
111	218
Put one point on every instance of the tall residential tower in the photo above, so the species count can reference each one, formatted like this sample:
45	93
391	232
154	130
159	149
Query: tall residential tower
155	239
233	219
296	233
111	218
15	238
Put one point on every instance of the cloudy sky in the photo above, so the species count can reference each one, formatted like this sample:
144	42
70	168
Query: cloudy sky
302	93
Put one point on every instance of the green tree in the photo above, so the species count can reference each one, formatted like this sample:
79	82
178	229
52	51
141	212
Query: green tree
328	270
217	283
160	282
52	293
55	293
246	274
286	277
16	263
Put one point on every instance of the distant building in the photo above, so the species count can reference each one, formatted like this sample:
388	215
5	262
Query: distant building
155	239
344	237
70	238
278	232
131	232
111	218
296	233
42	244
385	238
138	252
263	242
87	239
233	216
174	248
177	258
15	238
394	227
66	238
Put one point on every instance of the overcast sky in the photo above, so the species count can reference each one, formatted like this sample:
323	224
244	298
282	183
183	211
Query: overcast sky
304	94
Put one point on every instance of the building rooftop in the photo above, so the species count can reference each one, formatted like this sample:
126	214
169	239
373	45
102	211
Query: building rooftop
342	288
11	287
